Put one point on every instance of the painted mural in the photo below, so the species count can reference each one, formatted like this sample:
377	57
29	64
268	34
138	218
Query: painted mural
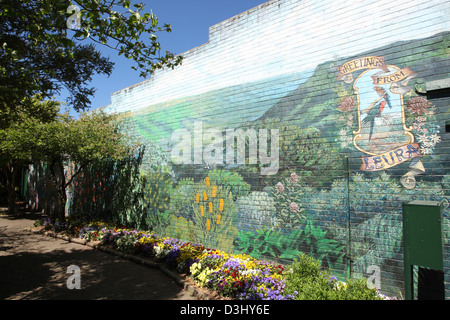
319	164
378	94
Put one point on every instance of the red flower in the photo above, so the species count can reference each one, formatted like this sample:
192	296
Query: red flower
417	105
347	104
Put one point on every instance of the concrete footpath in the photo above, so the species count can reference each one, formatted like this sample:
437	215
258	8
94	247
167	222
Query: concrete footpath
35	267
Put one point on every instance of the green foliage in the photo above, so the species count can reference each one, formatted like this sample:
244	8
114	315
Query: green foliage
274	244
262	243
208	206
21	131
311	154
110	190
302	148
57	138
157	189
181	199
41	54
231	180
306	277
287	195
214	215
328	251
180	228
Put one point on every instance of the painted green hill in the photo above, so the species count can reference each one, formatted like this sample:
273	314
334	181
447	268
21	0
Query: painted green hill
314	102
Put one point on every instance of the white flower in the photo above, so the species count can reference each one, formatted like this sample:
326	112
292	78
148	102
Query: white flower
421	119
250	272
434	139
426	150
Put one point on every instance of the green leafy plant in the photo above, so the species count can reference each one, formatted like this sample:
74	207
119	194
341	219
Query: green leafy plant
274	244
214	215
180	228
158	186
263	243
287	195
181	199
318	245
307	280
232	180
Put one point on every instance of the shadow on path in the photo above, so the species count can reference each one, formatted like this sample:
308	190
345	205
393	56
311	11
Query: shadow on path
34	266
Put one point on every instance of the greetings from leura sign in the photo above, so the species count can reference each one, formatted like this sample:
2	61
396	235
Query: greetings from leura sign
383	135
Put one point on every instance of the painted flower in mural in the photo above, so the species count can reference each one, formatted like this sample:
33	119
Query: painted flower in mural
294	177
428	142
417	105
294	207
279	187
347	104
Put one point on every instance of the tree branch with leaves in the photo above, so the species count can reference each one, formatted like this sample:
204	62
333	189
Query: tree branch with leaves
41	53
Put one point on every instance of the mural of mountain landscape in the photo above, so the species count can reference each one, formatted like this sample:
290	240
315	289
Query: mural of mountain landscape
338	180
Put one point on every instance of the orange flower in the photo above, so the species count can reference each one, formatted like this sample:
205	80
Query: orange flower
197	198
218	219
210	206
202	211
205	197
208	225
214	191
207	181
221	205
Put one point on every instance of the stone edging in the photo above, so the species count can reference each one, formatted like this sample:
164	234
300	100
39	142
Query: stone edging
192	289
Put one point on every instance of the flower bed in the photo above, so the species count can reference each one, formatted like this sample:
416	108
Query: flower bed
239	277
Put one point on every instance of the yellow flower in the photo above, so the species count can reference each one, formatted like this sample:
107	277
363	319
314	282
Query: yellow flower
221	205
218	219
205	197
214	190
207	181
197	198
202	211
208	225
210	207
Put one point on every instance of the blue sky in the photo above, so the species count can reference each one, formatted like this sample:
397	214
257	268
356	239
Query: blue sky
190	20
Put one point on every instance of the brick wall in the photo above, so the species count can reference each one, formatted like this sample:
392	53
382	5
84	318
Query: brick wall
337	98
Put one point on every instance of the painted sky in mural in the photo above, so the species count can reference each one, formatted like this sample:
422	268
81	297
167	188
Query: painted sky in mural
236	62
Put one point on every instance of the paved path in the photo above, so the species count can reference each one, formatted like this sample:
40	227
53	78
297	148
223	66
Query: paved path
34	267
